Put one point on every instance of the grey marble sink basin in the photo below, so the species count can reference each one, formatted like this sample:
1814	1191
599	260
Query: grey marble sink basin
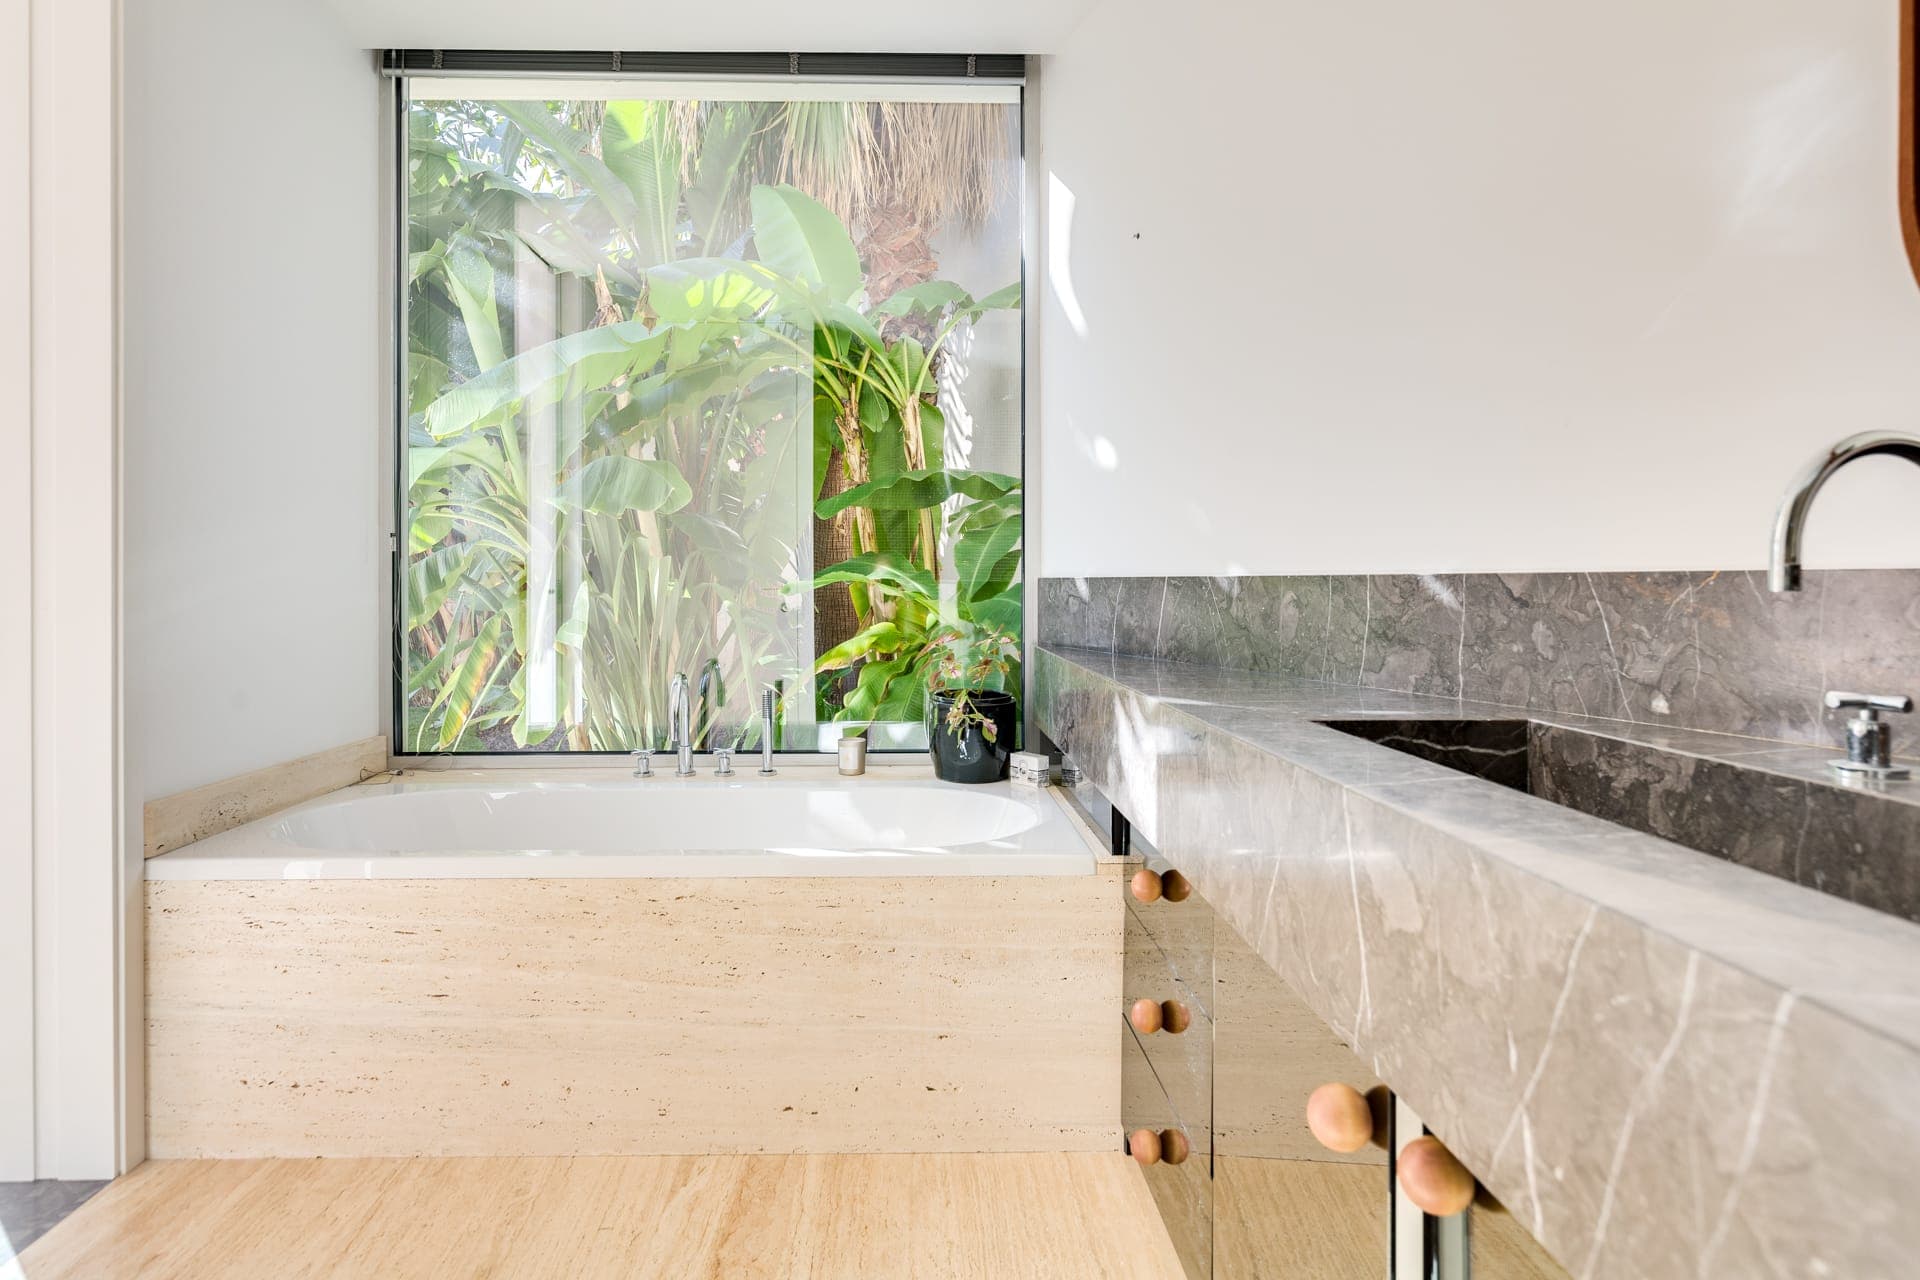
1859	843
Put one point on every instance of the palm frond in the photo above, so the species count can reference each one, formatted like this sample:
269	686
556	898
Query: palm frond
829	151
945	163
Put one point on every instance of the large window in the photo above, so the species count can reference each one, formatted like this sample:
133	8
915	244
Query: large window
704	379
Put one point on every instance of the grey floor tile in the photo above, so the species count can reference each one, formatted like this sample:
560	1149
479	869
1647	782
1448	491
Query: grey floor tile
28	1210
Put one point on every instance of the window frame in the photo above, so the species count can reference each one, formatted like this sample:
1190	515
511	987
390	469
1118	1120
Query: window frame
400	69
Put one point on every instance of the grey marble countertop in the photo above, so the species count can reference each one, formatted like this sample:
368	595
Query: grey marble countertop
1664	1063
1248	702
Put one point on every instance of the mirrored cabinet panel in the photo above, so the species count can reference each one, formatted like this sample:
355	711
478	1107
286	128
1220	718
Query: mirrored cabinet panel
1285	1204
1500	1249
1263	1138
1172	1153
1167	1106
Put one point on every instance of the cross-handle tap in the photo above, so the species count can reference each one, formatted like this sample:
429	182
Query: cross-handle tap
680	724
1869	738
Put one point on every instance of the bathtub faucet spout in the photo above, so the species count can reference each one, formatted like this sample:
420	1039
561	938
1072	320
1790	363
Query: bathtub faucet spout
680	725
768	697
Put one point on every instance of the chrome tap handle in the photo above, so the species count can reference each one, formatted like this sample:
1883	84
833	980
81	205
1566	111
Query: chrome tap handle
723	762
643	764
1869	738
1869	703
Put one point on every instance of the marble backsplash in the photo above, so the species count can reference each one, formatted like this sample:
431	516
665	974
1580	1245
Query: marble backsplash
1714	651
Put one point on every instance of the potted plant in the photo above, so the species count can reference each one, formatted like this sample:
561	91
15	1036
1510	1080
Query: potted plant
972	717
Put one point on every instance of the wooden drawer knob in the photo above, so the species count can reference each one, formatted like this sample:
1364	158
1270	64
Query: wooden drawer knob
1146	885
1433	1179
1338	1115
1145	1016
1169	1145
1175	886
1148	1017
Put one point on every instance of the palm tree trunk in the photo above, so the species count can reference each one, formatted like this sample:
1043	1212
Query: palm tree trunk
834	619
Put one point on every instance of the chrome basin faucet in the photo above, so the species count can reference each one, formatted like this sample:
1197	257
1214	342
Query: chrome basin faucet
1869	738
1783	573
680	725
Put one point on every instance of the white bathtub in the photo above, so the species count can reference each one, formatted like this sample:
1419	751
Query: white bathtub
474	824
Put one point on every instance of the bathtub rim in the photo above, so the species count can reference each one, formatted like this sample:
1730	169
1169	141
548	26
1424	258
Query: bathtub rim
245	852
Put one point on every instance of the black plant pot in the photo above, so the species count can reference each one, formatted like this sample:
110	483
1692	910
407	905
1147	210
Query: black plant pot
967	756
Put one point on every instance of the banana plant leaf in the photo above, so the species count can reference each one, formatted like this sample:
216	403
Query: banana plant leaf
469	279
928	295
916	491
645	155
882	567
592	357
1001	612
882	637
986	560
799	237
616	484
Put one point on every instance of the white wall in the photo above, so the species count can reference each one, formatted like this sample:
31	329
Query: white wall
1489	285
67	993
17	1094
254	401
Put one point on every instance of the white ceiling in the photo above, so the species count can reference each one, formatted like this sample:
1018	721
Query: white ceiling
836	26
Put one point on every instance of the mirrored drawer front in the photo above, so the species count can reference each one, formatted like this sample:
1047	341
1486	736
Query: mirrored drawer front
1181	1061
1180	1179
1152	972
1503	1250
1276	1217
1183	931
1283	1204
1270	1052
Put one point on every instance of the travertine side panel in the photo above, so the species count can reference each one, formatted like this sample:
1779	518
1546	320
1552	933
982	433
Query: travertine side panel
564	1017
176	820
1664	1065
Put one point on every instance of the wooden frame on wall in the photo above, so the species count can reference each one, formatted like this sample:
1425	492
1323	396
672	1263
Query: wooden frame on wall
1910	127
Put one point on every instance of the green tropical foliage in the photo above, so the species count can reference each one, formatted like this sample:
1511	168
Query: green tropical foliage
620	492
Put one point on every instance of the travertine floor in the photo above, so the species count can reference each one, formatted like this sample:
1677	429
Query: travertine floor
844	1217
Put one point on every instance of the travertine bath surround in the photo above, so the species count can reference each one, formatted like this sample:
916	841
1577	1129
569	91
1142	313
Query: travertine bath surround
623	1016
177	820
